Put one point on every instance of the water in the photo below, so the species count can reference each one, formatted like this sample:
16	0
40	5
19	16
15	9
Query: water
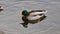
9	21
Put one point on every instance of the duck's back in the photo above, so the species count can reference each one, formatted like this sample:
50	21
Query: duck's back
35	12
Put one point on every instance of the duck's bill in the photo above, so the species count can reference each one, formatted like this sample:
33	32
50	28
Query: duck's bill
20	15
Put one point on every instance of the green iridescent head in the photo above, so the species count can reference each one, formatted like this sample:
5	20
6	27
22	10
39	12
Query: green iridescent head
25	13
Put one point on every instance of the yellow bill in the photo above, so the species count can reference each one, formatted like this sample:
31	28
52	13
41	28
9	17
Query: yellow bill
20	15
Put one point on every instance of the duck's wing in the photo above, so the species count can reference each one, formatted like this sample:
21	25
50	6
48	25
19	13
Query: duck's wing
33	17
37	11
31	11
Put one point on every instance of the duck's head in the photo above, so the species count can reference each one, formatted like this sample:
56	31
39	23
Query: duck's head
25	13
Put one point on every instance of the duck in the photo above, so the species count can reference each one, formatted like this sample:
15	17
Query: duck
33	16
1	8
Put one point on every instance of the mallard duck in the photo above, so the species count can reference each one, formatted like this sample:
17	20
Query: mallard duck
1	8
33	16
